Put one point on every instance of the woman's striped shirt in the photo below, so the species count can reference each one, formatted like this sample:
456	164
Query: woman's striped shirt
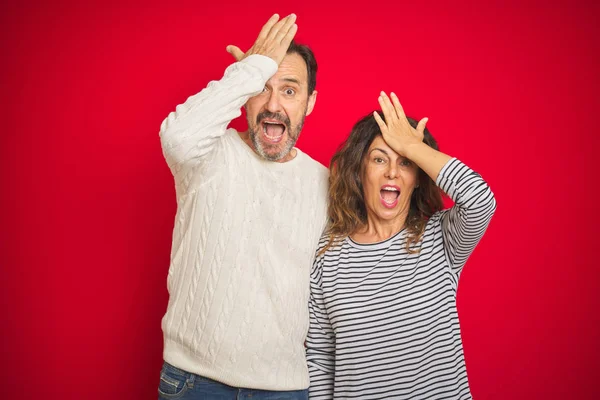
383	322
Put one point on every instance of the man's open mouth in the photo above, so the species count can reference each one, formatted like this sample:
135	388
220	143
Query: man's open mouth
273	130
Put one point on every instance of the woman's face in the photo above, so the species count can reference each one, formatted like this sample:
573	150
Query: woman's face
388	182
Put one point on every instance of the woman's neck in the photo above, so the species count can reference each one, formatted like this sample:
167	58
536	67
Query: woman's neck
377	230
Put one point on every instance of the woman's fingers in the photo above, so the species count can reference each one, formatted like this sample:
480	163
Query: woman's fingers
421	126
386	107
380	122
395	119
398	107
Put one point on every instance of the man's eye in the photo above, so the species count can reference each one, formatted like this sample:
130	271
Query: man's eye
290	92
264	89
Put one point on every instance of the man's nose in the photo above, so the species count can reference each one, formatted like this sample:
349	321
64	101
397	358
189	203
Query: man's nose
273	104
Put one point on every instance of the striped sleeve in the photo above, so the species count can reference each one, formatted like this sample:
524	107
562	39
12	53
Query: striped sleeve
464	224
320	341
189	133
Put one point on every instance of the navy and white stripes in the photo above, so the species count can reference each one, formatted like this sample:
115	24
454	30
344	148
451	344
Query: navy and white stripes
383	322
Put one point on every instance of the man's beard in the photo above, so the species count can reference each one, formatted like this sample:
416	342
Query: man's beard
263	148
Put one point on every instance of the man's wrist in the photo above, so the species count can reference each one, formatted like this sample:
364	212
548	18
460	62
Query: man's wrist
266	65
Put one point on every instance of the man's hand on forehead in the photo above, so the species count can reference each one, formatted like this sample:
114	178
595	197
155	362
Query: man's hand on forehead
273	40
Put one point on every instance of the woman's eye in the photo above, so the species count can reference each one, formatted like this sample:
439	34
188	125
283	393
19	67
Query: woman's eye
405	163
379	160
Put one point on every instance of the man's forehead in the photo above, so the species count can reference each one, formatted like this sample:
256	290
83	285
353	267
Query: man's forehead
292	68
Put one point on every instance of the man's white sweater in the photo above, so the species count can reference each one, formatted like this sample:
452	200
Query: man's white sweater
244	240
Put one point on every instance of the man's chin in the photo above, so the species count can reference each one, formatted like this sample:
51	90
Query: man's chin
271	155
272	151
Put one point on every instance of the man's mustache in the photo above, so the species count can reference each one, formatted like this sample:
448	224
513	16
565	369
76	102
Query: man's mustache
271	115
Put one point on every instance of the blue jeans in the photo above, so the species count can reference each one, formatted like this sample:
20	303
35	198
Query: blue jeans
176	383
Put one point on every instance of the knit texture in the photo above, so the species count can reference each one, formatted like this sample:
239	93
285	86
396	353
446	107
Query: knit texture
245	236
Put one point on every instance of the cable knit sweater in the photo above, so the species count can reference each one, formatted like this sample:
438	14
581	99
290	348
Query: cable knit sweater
245	236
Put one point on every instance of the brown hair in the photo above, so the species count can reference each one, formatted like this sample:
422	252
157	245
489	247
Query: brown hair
347	210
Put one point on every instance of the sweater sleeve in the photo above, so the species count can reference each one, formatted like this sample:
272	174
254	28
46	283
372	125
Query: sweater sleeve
464	224
320	341
190	132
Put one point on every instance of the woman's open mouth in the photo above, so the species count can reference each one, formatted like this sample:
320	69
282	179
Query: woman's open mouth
389	195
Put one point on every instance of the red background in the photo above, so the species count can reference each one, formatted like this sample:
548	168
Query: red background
88	203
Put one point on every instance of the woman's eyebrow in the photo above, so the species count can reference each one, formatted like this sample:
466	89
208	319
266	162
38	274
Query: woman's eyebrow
381	150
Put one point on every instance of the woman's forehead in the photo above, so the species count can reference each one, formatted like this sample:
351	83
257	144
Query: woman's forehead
379	144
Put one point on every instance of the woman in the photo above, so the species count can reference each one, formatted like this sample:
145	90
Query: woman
383	321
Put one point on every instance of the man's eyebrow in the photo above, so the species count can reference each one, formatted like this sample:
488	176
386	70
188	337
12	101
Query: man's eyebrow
293	80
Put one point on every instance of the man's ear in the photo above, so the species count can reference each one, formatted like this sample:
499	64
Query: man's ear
312	99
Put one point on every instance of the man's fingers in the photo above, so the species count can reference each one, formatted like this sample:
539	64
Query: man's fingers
274	29
287	26
235	52
279	26
398	107
264	32
274	39
289	36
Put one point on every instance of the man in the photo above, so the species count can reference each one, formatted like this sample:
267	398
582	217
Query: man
251	209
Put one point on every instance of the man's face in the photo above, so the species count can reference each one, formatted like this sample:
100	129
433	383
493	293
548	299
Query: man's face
275	116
